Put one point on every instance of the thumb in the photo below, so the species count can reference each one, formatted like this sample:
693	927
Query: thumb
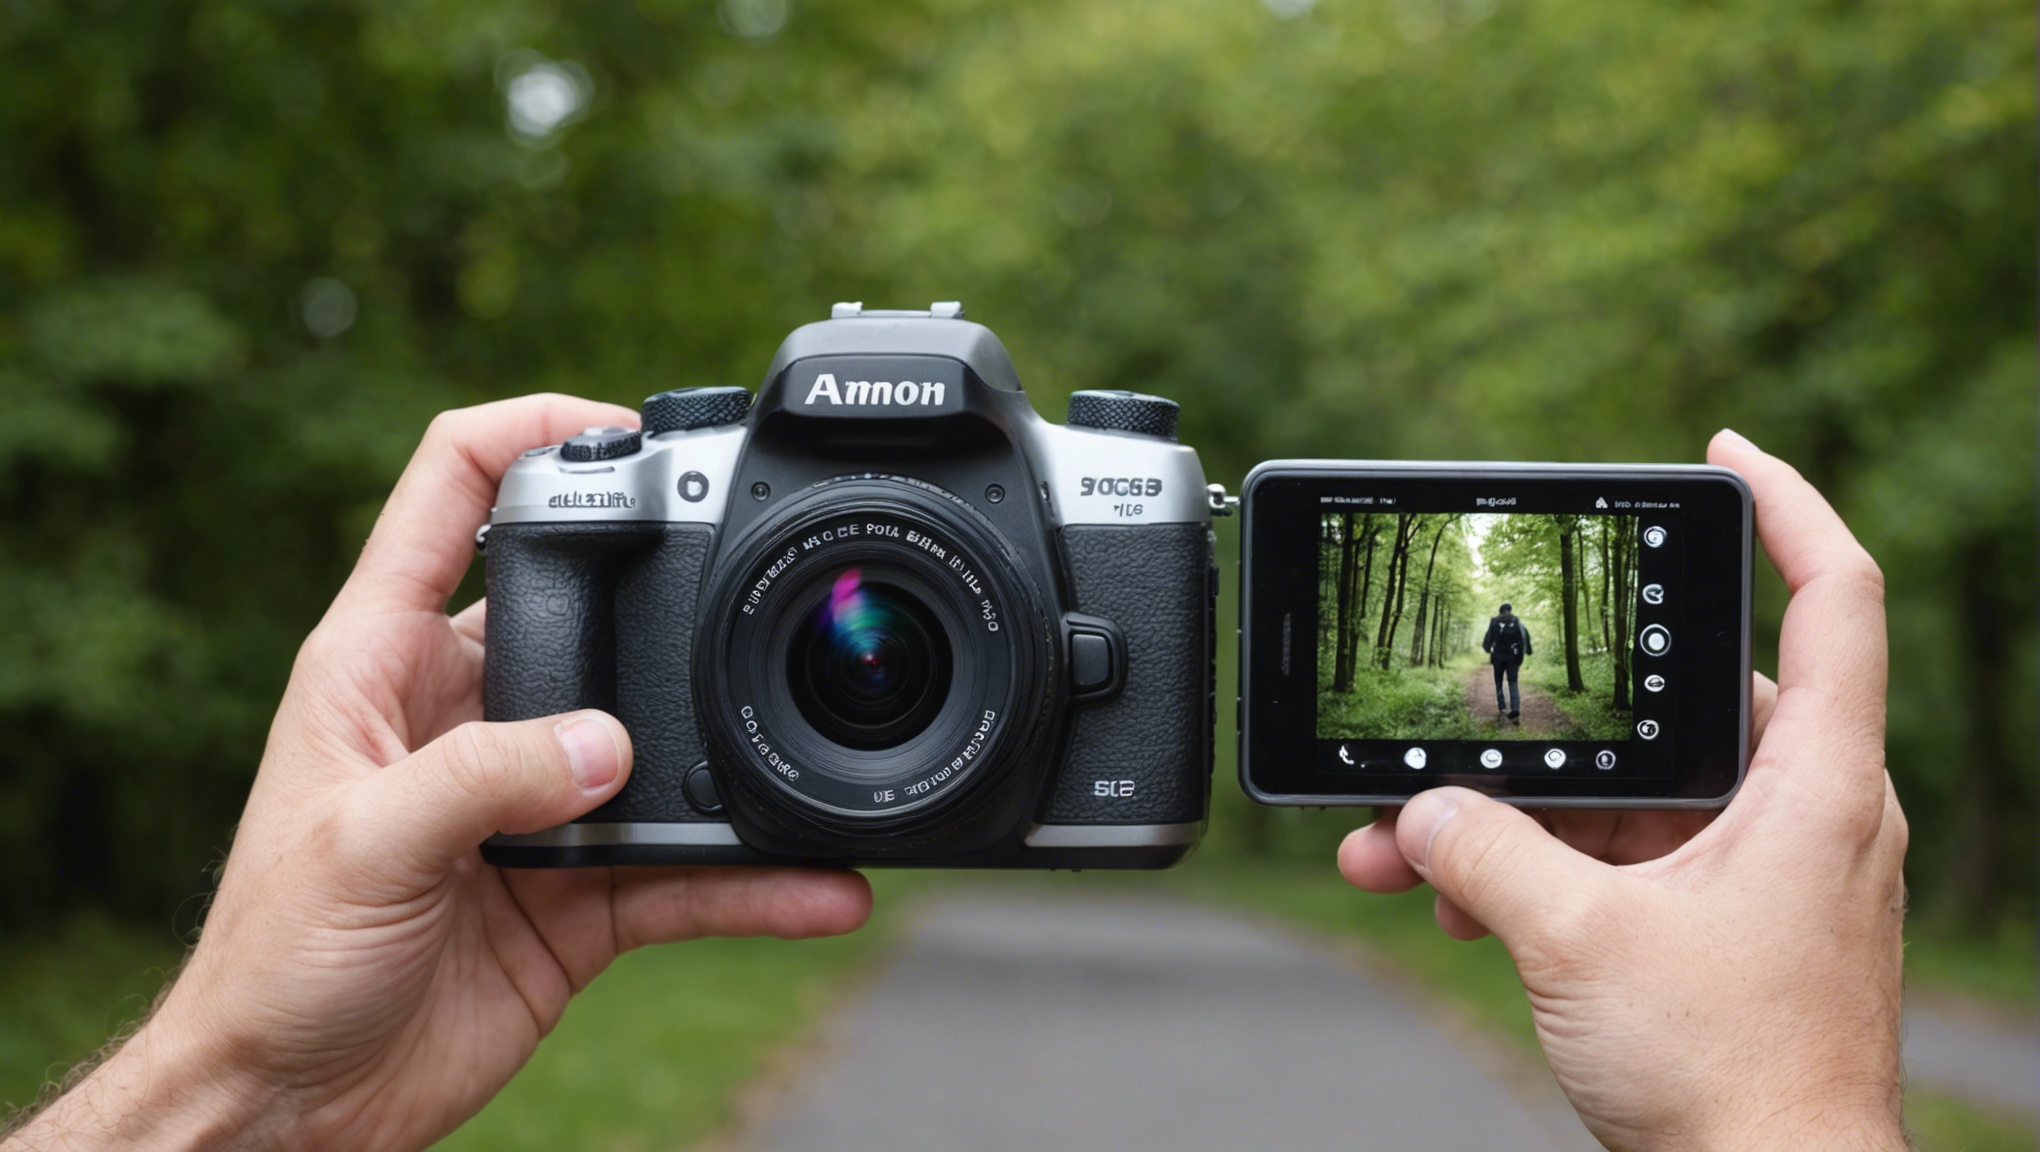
1497	864
482	778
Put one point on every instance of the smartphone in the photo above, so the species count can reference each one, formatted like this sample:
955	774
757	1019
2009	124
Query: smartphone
1554	635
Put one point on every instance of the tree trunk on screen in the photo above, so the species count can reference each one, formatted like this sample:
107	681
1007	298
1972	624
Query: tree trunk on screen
1569	593
1395	588
1342	680
1421	632
1607	633
1623	551
1582	565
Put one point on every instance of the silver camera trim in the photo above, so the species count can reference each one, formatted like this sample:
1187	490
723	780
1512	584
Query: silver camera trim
719	835
1064	457
649	485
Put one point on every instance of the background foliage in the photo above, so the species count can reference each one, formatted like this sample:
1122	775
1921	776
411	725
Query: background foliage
247	249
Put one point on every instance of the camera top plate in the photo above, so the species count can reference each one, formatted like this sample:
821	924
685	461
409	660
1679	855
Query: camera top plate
940	331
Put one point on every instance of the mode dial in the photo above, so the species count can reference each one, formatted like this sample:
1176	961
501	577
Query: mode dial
601	444
1117	411
686	408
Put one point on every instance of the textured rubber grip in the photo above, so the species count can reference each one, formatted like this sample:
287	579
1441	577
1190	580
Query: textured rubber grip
550	641
657	598
1154	581
601	616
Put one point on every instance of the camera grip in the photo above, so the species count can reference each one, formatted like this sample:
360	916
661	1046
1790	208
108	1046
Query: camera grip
602	616
657	596
550	643
1155	582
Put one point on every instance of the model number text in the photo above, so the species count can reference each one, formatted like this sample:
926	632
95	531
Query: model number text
1120	486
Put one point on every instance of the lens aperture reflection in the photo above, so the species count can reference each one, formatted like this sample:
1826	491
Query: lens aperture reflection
869	667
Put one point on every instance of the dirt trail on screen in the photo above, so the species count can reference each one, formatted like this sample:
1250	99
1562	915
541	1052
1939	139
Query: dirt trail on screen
1542	717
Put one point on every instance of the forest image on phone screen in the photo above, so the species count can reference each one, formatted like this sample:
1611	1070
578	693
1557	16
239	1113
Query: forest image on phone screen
1414	644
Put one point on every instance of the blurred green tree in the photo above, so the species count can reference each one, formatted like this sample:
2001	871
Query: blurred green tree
246	250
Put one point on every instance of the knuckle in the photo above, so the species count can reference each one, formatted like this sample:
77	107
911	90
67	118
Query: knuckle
1855	815
1861	570
470	758
1897	828
1577	929
1476	864
348	831
321	647
443	427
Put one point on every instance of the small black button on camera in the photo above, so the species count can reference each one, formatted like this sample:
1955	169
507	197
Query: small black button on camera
684	409
601	444
699	788
1097	658
1116	411
1090	661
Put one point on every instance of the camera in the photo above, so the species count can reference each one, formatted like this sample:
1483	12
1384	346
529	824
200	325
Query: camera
1555	635
886	614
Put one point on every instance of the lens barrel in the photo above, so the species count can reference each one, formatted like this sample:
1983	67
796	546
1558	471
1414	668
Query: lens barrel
869	665
872	656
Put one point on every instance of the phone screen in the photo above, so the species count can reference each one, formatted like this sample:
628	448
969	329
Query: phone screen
1558	634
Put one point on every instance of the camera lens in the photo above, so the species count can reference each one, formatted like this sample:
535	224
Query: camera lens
869	666
874	660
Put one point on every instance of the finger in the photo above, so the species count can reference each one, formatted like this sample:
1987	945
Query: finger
433	807
1370	861
470	621
424	539
1822	754
1499	866
660	905
1763	701
1455	922
1624	837
1827	727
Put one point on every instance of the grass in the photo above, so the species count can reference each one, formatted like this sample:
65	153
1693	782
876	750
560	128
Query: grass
67	994
1400	701
649	1056
1944	1124
1592	710
1389	703
1480	980
1999	968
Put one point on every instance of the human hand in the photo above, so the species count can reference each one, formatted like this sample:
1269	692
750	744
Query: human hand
1704	980
364	980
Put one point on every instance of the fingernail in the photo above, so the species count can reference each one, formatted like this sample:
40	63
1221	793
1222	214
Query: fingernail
1737	439
592	754
1420	821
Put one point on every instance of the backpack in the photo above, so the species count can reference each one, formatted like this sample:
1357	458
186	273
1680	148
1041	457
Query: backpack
1508	636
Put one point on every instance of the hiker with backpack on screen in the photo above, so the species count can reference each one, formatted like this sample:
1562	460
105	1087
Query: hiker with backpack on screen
1506	643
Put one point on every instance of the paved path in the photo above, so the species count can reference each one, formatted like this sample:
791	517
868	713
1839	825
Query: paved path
1029	1019
1957	1049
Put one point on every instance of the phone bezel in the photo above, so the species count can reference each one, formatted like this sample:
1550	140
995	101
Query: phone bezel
1705	775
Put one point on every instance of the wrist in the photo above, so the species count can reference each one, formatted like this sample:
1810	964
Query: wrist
1827	1126
168	1088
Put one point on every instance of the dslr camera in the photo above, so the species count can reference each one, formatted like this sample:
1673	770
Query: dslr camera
884	614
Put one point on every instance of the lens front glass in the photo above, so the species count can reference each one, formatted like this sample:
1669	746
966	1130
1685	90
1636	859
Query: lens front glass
869	666
882	656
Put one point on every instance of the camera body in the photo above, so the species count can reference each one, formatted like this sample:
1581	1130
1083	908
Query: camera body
886	615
